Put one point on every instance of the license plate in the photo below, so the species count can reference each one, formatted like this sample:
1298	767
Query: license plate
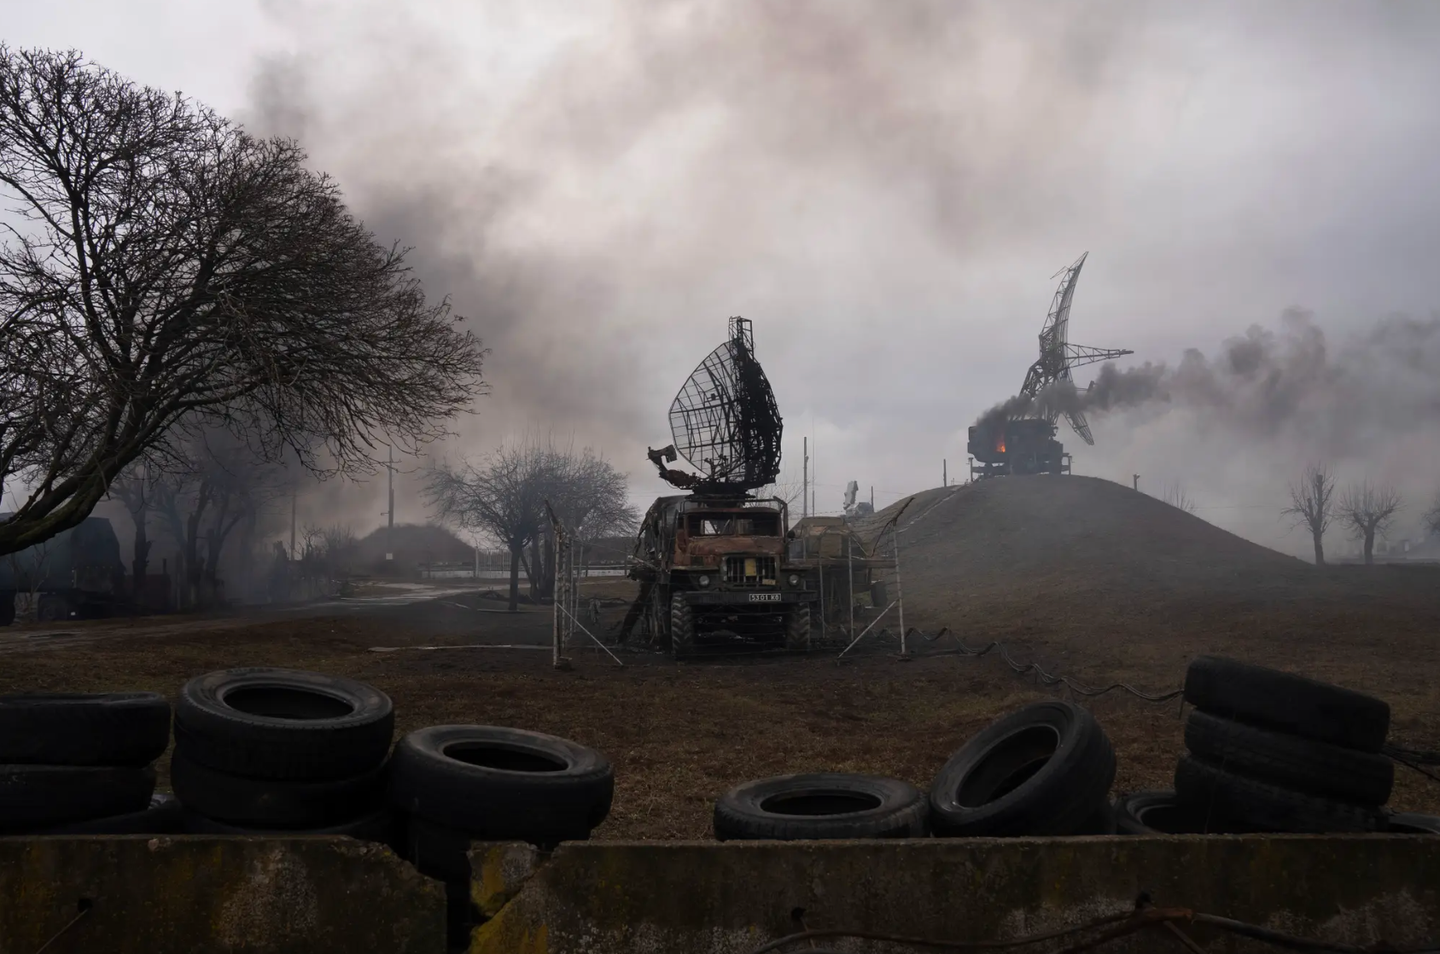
764	597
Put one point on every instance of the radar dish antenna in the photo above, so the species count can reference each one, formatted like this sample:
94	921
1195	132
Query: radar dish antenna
1058	357
725	421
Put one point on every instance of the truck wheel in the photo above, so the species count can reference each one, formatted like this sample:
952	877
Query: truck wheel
52	609
682	626
797	628
7	607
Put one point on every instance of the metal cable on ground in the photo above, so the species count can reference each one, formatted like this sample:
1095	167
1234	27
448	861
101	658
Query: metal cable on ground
1109	929
1045	678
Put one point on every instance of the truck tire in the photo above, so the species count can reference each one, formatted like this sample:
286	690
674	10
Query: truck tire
821	806
502	784
1290	761
162	817
1285	702
101	728
797	628
284	724
7	607
1267	807
376	826
1410	823
271	802
1162	813
1042	770
682	627
45	796
51	608
437	851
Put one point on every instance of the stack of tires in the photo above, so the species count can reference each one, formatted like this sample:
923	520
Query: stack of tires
1043	770
452	785
1270	751
81	764
284	751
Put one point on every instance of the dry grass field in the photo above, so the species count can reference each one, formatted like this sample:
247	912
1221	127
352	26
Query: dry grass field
1090	579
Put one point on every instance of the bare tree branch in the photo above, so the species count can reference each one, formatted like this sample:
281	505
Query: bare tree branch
171	271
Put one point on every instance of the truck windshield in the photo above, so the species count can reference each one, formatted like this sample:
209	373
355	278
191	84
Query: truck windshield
734	525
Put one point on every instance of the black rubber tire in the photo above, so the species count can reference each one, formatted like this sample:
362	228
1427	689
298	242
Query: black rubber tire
163	817
102	728
377	826
1286	702
1102	821
682	627
1289	760
1266	807
502	784
797	628
7	607
1043	770
47	796
437	851
271	802
294	725
1162	813
1412	823
824	805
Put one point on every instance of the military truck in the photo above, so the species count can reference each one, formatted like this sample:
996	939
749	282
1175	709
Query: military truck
77	573
710	565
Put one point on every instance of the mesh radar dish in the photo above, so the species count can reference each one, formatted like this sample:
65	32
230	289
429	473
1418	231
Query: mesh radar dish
1058	357
725	422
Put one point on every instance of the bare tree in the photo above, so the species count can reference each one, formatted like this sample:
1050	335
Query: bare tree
170	270
1176	496
135	487
591	498
503	497
1312	505
1432	516
1368	510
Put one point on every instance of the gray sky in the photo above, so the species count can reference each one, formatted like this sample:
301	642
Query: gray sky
885	189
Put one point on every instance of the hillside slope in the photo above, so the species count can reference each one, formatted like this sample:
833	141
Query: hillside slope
1072	561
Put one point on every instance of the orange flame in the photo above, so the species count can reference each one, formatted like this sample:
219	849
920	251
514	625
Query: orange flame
1000	443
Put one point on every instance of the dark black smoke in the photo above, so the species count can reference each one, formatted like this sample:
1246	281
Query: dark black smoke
1381	385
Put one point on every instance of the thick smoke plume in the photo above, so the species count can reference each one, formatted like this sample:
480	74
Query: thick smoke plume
1379	386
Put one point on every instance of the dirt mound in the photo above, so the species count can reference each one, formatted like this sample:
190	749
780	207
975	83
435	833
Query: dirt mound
1047	536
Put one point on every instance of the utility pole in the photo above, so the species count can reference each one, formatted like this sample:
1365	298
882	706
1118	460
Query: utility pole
805	480
390	529
872	498
944	472
293	494
1137	481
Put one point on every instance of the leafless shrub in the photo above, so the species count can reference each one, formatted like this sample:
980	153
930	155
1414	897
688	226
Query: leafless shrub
170	271
1176	496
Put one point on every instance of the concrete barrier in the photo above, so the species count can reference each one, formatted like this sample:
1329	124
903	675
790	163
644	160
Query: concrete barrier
261	895
707	898
162	894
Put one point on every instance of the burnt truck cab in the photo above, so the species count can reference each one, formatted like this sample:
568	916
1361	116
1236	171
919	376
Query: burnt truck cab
1017	447
721	564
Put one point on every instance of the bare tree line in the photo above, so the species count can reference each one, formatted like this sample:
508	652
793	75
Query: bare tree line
1366	510
173	276
504	496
